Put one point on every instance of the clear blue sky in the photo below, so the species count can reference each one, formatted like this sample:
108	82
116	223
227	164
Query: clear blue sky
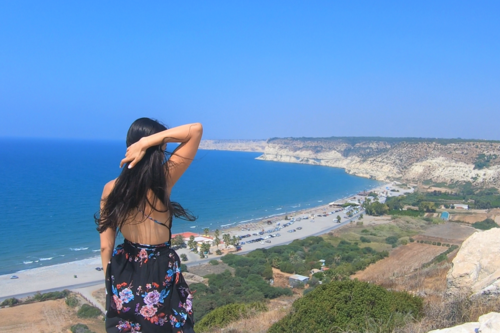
251	69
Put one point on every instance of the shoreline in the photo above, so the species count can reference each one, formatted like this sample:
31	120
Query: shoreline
62	276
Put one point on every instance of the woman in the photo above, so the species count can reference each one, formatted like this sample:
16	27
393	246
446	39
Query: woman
146	291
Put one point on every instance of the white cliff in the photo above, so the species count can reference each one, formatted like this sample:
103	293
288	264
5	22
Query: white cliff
476	267
441	161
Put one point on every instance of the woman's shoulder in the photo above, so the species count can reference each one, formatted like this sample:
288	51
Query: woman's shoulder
108	188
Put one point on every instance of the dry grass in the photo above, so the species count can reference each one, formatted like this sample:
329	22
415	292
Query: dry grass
278	308
45	317
449	312
402	267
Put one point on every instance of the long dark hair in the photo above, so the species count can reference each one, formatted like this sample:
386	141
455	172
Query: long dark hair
133	185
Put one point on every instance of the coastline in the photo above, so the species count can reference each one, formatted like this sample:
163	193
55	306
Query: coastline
62	276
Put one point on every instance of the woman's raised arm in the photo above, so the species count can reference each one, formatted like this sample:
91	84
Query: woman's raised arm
189	137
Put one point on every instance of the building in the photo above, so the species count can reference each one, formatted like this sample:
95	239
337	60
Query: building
295	279
461	206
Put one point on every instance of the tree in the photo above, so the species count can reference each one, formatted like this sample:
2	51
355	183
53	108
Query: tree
426	206
184	257
234	241
217	241
206	231
178	240
216	233
339	219
226	238
191	243
376	209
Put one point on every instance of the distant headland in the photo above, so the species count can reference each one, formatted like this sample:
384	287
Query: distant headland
403	159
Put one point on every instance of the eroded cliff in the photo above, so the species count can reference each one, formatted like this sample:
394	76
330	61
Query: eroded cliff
406	159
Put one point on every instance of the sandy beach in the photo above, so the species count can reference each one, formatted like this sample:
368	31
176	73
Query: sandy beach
83	273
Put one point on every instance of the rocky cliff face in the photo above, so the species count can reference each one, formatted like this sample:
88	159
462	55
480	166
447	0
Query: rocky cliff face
476	268
395	159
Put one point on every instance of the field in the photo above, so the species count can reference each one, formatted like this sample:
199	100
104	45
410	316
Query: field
401	261
44	317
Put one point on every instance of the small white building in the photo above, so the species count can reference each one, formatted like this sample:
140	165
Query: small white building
295	279
461	206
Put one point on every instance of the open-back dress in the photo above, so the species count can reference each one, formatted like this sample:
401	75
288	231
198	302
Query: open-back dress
146	292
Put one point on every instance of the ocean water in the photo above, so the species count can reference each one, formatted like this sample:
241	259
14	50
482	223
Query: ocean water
50	190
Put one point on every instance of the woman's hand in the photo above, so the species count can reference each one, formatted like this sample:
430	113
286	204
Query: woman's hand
135	152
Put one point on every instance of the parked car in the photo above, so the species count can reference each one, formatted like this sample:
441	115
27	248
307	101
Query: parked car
299	228
268	241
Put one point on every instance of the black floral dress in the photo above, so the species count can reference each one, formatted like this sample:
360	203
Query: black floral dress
146	292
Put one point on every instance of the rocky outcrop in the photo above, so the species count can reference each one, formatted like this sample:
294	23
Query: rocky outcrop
410	160
476	267
234	145
488	323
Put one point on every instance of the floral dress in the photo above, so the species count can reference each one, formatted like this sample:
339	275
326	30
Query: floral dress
146	292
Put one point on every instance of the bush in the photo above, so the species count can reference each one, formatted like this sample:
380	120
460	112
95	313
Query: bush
214	262
411	240
184	268
218	252
71	301
80	328
10	302
347	306
485	225
307	291
363	239
404	242
226	314
184	257
53	295
88	311
391	240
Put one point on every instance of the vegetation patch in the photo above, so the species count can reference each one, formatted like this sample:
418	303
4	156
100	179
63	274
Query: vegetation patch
226	314
349	305
485	225
80	328
88	311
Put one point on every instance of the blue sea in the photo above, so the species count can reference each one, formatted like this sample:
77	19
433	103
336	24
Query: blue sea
50	190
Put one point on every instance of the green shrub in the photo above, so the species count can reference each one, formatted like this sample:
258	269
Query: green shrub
218	252
71	301
411	240
404	242
88	311
53	295
226	314
10	302
80	328
391	240
485	225
363	239
348	306
434	243
438	243
307	291
184	257
184	268
214	262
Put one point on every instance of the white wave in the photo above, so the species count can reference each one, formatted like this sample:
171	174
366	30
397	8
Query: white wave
45	259
193	227
96	250
27	262
78	248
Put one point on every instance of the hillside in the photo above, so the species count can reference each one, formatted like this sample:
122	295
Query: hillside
404	159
